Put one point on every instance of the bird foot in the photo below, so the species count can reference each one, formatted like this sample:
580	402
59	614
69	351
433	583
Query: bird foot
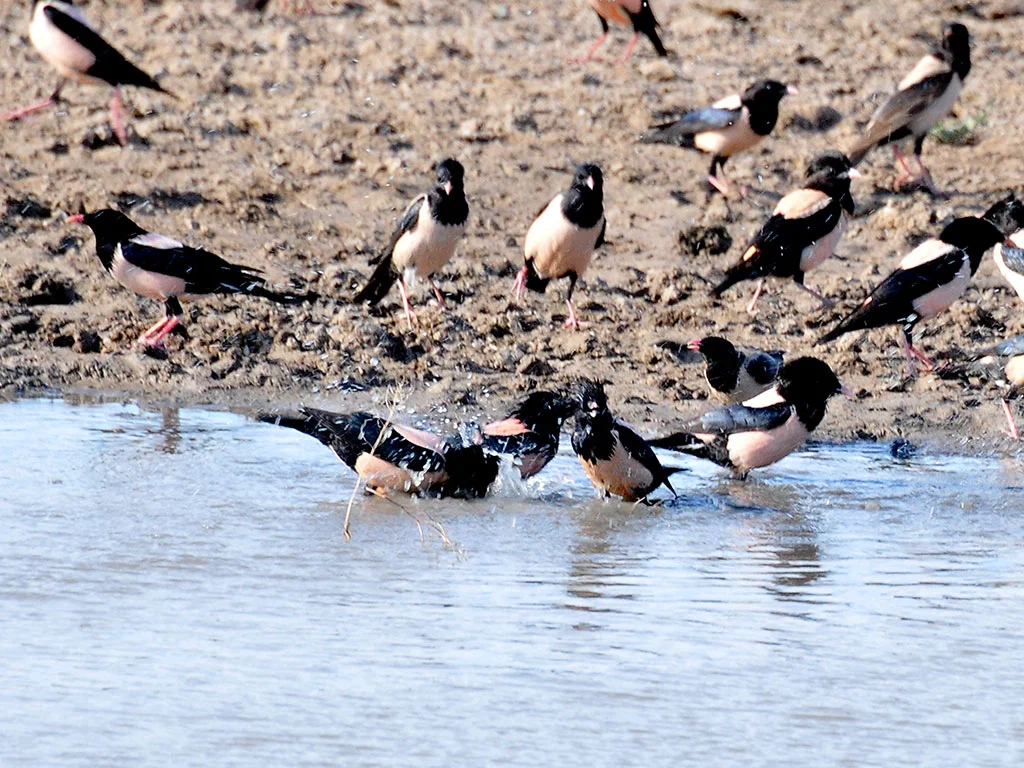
1012	431
720	184
17	114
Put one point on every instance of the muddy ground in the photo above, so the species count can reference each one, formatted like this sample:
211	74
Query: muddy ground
296	142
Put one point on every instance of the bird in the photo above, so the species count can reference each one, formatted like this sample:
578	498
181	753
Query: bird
729	126
635	13
424	241
803	230
530	432
563	237
766	428
395	457
733	376
1012	351
922	98
616	459
1008	215
64	38
161	268
927	281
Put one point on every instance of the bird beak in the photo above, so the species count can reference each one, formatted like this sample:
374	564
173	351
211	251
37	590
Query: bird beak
447	187
78	218
791	90
853	173
694	345
590	181
846	392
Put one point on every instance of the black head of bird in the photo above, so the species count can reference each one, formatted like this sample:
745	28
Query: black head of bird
545	411
714	348
1007	215
590	400
973	234
766	93
583	203
956	47
450	175
831	172
807	384
113	225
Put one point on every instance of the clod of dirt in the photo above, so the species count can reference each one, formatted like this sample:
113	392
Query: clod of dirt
698	239
47	290
87	342
824	119
536	367
26	323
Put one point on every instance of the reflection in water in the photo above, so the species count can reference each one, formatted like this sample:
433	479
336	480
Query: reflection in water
170	430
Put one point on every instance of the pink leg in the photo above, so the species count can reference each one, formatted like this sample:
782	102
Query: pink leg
115	118
17	114
572	321
520	284
405	302
155	335
825	300
926	175
1012	431
629	49
927	361
721	184
905	174
438	294
752	306
590	52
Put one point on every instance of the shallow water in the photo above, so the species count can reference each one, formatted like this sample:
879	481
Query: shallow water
176	589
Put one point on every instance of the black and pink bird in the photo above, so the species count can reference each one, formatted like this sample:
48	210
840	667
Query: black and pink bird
616	459
729	126
424	241
764	429
921	100
563	237
63	37
530	433
164	269
734	376
626	13
927	281
802	232
396	457
1008	215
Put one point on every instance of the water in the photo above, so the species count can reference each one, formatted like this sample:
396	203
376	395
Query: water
176	589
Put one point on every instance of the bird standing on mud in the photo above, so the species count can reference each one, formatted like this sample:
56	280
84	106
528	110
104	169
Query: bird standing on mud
163	269
562	239
803	230
729	126
922	98
766	428
927	281
732	375
395	457
531	432
425	240
65	40
616	459
625	13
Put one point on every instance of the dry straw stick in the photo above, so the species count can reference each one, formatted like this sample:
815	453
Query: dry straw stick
396	397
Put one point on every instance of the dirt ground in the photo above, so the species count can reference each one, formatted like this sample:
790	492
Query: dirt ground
296	142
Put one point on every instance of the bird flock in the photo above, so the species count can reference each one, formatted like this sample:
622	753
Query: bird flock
767	406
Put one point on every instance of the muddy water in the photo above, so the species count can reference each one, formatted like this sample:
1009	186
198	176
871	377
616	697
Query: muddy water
175	589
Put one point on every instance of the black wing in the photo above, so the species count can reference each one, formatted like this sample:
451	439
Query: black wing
600	235
739	418
781	240
110	65
408	223
202	271
361	433
698	121
1013	258
891	302
763	367
637	447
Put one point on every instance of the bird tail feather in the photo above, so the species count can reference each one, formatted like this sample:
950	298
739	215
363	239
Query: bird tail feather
380	282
